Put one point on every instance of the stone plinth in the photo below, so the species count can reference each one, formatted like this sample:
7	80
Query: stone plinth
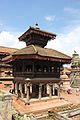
5	106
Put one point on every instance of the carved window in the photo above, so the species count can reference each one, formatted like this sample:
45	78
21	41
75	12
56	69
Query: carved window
51	68
45	69
58	69
38	68
18	67
28	68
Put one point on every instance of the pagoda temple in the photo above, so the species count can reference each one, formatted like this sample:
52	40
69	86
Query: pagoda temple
36	69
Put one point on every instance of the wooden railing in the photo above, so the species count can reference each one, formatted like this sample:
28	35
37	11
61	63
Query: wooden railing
36	74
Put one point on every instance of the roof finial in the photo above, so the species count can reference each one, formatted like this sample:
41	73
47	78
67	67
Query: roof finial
36	26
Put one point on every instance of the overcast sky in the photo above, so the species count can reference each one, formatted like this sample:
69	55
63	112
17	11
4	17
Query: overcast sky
58	16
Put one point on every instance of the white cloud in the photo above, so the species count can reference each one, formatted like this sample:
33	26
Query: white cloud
67	42
72	11
49	18
9	40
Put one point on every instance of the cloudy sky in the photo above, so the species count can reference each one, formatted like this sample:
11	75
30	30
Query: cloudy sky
58	16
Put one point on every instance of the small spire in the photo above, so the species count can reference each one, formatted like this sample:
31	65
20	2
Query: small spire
36	26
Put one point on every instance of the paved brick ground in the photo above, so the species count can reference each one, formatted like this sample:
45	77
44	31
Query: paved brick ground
45	105
38	107
73	98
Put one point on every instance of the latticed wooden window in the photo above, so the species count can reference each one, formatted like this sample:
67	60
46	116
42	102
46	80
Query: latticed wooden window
58	69
18	67
38	68
51	68
28	68
45	69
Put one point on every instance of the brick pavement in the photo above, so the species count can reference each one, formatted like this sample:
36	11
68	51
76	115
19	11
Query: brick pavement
44	105
73	98
38	107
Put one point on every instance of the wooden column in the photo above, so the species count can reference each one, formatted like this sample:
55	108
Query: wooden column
59	91
50	95
27	88
20	87
47	88
40	91
16	88
31	88
53	88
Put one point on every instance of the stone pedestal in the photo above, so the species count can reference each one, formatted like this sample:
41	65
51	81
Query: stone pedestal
5	106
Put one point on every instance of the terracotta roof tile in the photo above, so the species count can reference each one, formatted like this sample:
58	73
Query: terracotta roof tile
38	53
31	50
7	50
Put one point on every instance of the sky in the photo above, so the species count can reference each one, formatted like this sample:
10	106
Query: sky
61	17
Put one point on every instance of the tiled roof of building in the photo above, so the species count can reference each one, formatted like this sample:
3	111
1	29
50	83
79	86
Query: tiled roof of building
36	50
7	50
37	31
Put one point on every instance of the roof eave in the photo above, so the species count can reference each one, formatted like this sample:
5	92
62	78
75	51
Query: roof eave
38	57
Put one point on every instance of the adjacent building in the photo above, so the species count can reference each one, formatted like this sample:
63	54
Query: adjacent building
75	71
5	69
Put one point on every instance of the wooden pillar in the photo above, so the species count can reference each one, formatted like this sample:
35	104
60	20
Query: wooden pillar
40	91
59	91
48	89
53	88
50	95
31	88
20	87
27	88
16	88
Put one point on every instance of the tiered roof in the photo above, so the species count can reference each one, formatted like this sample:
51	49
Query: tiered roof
35	40
36	36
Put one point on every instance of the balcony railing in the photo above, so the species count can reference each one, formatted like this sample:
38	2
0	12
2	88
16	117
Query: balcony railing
36	74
